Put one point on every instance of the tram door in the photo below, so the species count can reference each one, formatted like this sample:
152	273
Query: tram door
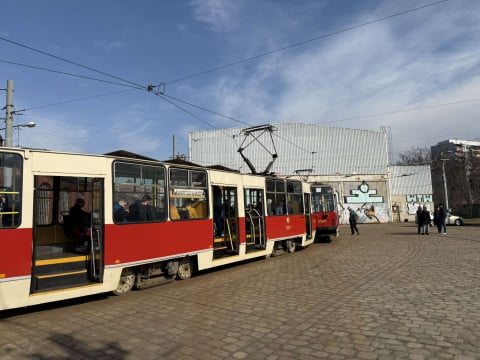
308	215
254	219
225	221
67	232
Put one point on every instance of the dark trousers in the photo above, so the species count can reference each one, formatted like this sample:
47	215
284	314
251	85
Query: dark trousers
353	226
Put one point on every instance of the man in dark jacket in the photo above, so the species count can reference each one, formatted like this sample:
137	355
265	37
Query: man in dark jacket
426	220
442	215
141	210
419	219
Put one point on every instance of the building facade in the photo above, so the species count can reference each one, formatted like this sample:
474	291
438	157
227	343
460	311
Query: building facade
354	162
456	176
410	187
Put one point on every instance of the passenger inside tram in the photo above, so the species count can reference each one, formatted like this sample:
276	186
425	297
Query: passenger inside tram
174	214
141	210
192	213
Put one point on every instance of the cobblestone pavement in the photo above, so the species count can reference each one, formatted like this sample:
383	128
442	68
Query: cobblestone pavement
386	294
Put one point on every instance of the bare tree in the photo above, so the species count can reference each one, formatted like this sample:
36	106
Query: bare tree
415	156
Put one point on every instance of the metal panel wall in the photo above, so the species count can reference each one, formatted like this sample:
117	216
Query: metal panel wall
411	179
325	150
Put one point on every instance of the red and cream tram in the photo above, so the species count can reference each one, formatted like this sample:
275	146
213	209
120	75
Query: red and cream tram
77	224
324	214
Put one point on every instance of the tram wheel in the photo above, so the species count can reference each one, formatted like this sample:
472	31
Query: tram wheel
185	269
127	280
290	245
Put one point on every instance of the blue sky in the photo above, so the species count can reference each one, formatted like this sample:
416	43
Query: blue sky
418	74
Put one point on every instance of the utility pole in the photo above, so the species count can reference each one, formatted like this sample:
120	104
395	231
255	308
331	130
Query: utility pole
9	115
444	181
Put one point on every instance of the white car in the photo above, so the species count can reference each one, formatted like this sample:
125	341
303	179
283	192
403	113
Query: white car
453	220
450	219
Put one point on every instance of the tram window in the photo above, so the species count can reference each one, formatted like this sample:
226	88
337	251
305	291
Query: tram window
295	198
323	199
276	193
270	186
253	199
10	190
294	187
44	202
179	177
280	186
139	189
295	204
279	206
199	179
188	194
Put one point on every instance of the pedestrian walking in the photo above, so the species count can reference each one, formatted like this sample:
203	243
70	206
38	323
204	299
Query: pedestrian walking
352	219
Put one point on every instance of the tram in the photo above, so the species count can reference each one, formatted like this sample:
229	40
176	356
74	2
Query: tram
74	225
324	214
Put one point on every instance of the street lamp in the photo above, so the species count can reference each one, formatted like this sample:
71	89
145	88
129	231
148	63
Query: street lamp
30	124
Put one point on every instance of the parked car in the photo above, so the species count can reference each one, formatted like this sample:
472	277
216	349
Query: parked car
449	220
453	220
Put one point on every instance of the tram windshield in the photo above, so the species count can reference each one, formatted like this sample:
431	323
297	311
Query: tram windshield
323	199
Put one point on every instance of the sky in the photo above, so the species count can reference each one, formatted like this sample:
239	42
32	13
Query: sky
82	70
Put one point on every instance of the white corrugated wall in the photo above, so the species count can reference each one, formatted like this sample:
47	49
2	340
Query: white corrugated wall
325	150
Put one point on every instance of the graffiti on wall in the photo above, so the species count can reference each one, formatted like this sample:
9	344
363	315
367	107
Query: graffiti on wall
363	195
419	198
416	200
370	207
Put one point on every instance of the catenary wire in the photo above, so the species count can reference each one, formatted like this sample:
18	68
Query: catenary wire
301	43
69	61
402	110
70	74
75	100
189	113
205	109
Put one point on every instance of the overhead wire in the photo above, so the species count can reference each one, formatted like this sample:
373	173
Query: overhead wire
402	110
205	109
301	43
70	74
76	100
190	113
164	96
69	61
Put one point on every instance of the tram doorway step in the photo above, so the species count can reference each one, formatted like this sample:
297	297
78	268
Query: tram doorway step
61	272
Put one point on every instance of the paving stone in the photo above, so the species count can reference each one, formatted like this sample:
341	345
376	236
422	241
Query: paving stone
387	295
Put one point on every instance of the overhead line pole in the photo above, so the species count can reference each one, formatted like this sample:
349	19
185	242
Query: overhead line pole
9	115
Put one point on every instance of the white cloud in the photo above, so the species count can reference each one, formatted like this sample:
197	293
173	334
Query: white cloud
382	68
110	45
216	14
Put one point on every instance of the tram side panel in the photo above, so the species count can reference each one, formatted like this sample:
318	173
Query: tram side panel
15	267
133	243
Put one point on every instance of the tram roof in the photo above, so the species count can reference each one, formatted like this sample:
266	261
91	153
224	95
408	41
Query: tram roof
128	154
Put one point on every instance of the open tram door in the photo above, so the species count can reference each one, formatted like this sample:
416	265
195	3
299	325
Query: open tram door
67	253
225	221
308	215
254	200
